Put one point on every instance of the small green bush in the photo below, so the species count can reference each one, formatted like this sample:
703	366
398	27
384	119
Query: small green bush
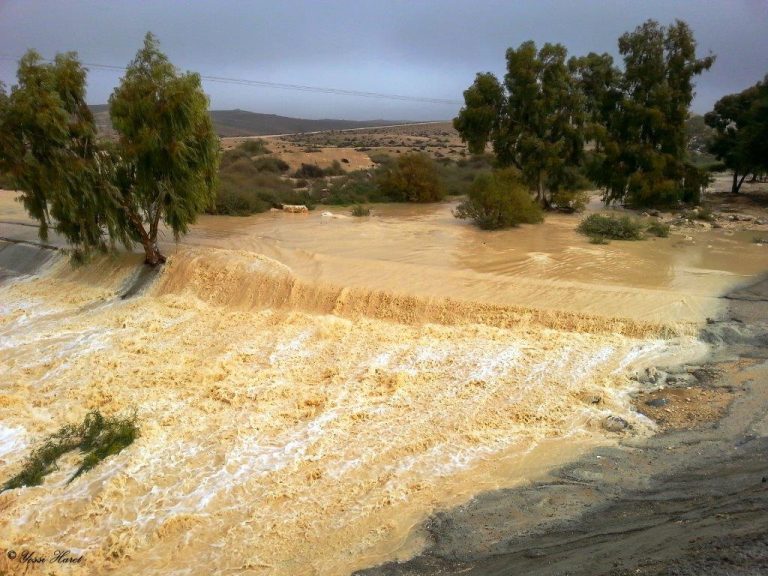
499	200
357	187
271	164
611	227
359	210
658	228
382	159
309	171
254	147
413	179
243	189
335	169
97	438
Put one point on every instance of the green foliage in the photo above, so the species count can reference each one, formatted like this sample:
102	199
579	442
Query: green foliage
359	210
357	187
244	188
254	147
382	159
413	179
534	120
658	228
98	195
270	164
499	200
309	171
641	154
335	169
171	150
601	226
97	438
48	149
539	118
570	200
740	122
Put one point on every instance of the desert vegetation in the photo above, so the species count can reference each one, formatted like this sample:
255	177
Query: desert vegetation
600	228
99	194
97	438
549	106
500	200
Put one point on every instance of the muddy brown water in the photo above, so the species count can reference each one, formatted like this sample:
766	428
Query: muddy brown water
310	388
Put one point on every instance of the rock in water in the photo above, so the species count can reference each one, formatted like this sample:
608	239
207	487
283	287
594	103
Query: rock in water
615	424
657	402
295	208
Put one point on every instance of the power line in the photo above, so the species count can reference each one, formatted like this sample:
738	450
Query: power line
281	86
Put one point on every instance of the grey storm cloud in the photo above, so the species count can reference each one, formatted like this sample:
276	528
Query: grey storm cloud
424	49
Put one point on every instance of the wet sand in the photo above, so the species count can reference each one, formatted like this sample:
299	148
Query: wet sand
692	501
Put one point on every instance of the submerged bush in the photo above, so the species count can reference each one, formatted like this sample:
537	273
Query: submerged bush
359	210
97	438
499	200
611	227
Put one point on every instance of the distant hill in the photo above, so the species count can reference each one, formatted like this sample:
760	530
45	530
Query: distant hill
244	123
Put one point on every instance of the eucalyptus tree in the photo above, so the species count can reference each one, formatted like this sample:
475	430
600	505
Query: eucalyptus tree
645	139
741	129
534	120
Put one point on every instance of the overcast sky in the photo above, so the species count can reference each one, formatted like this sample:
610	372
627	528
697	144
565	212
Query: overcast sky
420	48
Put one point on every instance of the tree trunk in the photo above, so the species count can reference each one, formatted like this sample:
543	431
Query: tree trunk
736	186
152	253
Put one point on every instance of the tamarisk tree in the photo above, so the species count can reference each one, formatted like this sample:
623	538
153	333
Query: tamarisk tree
98	194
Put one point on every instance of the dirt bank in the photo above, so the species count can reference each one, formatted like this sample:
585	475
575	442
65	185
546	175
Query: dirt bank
691	500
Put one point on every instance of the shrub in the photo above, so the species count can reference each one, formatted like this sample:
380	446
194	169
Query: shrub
382	159
611	227
413	179
658	228
570	200
360	210
229	157
96	438
499	200
254	147
355	188
457	177
243	189
309	171
271	164
334	169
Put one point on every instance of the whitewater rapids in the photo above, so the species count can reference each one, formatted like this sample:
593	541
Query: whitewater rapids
288	427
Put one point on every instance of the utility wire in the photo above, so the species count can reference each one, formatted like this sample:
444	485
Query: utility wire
281	86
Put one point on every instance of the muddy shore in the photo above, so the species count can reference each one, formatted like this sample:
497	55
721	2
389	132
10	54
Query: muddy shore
690	500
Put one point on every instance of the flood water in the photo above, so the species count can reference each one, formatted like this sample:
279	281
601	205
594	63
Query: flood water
310	388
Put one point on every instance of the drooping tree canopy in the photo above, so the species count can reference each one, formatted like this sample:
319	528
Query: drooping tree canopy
98	194
169	150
